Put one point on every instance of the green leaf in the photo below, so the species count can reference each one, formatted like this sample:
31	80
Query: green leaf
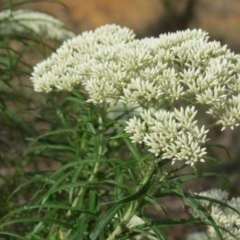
205	212
122	165
147	157
51	147
33	220
66	187
213	200
179	221
76	174
36	179
155	228
155	203
138	194
76	100
132	148
115	183
93	200
121	135
104	221
57	132
96	146
226	149
56	183
11	234
49	205
85	161
189	177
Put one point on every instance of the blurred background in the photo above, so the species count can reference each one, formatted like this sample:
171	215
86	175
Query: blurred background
220	18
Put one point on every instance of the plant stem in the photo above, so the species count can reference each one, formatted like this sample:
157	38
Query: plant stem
126	218
83	189
129	214
213	125
97	164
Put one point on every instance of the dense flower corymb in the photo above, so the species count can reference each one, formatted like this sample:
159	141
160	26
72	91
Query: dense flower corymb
173	135
113	66
157	74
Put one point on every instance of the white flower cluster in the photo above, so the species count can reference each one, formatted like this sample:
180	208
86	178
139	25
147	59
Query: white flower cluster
225	218
113	66
182	67
86	59
25	21
172	135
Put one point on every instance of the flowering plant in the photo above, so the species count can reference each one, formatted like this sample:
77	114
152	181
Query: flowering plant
129	130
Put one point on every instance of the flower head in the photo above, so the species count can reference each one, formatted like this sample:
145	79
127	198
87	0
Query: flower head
170	135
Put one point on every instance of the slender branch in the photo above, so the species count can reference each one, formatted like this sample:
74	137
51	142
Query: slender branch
213	125
126	218
128	215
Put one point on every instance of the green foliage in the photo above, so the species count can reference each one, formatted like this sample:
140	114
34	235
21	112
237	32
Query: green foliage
103	184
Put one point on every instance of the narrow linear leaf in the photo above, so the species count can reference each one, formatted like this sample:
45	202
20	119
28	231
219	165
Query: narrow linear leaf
11	234
213	200
132	148
155	228
96	146
105	220
86	161
33	220
188	177
122	165
198	205
144	189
